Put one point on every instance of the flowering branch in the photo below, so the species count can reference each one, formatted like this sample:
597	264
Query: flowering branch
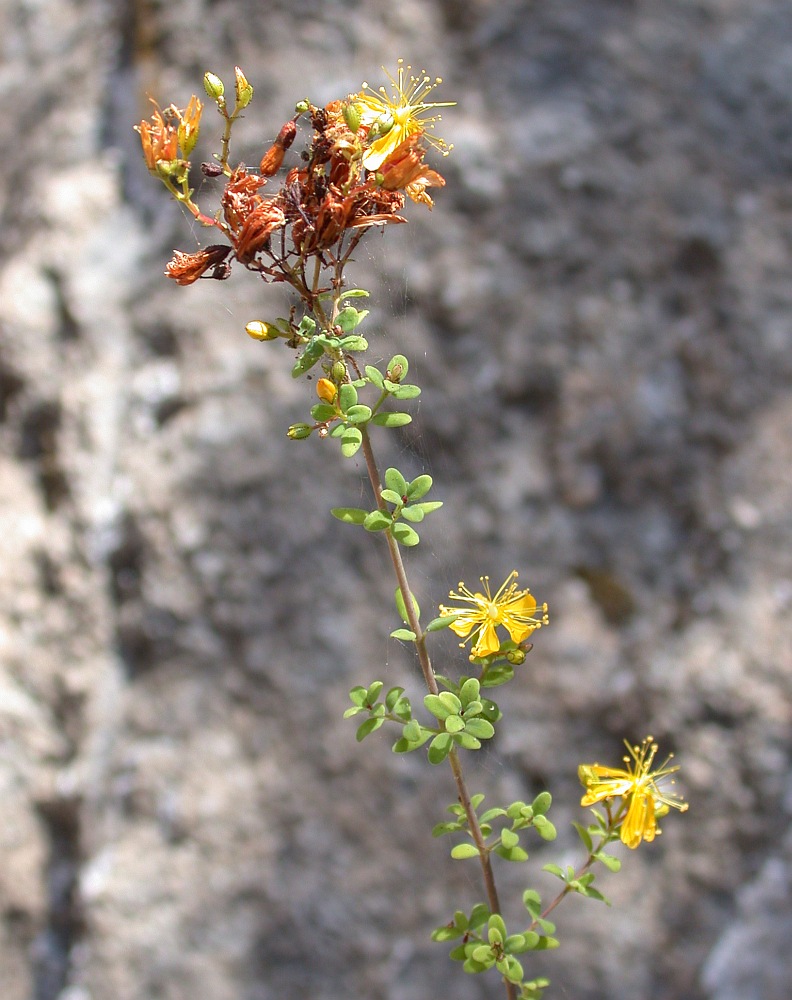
364	160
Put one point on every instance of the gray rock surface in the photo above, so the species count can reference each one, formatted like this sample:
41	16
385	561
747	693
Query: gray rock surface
600	313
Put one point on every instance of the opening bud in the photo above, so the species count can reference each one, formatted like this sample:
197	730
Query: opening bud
244	91
326	390
261	331
214	86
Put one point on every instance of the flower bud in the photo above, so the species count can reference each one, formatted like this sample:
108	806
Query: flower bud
338	372
297	432
302	106
244	92
261	331
214	86
516	656
351	114
326	390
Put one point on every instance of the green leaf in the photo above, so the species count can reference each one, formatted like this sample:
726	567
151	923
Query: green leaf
443	828
350	712
611	863
544	828
375	376
532	902
427	507
377	520
584	835
367	727
350	317
512	853
391	496
509	838
347	396
453	724
354	293
359	413
450	700
439	748
419	487
373	692
395	481
514	971
401	607
498	674
480	728
405	535
353	342
479	915
466	741
407	391
542	803
351	440
323	411
469	691
436	624
349	515
413	514
392	697
555	870
405	634
438	708
491	814
391	419
462	851
313	351
398	366
358	695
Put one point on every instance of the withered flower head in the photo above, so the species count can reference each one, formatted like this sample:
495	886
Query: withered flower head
273	158
159	139
405	170
241	196
256	230
185	268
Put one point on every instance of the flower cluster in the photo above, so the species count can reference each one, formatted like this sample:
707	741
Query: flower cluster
365	156
643	801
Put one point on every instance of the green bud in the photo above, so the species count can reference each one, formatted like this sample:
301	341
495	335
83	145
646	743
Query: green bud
516	656
261	331
214	86
244	92
297	432
351	114
302	106
338	372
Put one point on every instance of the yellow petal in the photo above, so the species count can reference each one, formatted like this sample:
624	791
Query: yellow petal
487	642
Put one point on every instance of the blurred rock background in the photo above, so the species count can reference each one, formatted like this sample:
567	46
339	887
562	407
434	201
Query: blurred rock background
600	312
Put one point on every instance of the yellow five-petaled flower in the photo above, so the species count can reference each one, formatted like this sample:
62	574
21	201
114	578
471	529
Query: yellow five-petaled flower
514	609
393	118
638	787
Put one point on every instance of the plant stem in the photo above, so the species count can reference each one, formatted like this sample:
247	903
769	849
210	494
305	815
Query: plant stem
431	684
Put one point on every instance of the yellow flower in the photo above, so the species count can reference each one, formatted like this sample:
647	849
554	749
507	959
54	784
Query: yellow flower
514	609
392	119
638	787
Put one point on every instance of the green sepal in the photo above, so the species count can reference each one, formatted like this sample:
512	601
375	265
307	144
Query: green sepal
359	413
391	419
404	634
401	607
377	520
418	488
351	440
405	535
349	515
462	851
